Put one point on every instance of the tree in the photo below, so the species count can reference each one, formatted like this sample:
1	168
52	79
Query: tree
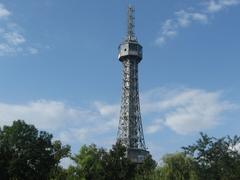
145	171
117	166
176	167
93	163
26	153
60	151
89	163
216	158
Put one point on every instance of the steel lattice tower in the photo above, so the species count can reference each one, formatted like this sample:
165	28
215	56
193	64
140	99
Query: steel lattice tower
130	131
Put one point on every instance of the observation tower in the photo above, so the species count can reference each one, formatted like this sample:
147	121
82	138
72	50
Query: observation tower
130	130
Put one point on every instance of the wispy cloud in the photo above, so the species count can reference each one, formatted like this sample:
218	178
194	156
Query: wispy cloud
155	126
185	17
214	6
12	39
185	110
182	110
4	12
182	19
71	124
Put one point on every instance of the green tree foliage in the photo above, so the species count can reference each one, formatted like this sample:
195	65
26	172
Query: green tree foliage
216	158
176	167
26	153
60	152
146	171
97	164
117	166
89	163
208	159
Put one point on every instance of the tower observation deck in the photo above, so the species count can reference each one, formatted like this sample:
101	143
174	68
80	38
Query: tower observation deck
130	130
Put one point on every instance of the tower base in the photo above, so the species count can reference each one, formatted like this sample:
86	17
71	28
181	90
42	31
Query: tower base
137	155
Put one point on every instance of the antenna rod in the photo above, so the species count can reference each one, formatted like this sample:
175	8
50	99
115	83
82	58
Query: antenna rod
131	23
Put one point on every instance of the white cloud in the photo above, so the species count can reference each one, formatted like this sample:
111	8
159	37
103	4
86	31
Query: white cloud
185	110
70	124
66	162
168	31
75	135
44	114
3	11
182	110
107	110
214	6
32	50
169	26
184	18
6	49
161	40
155	126
203	18
12	38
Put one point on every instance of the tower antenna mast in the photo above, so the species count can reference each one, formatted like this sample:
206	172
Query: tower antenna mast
131	23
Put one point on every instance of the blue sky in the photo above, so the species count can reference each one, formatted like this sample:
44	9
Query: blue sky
59	68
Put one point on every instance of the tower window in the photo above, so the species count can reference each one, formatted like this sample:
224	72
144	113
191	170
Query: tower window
133	47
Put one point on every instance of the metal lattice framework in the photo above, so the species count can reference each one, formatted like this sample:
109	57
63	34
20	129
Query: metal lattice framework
131	24
130	131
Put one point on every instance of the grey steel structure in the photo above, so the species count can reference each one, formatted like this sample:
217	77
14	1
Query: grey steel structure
130	131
